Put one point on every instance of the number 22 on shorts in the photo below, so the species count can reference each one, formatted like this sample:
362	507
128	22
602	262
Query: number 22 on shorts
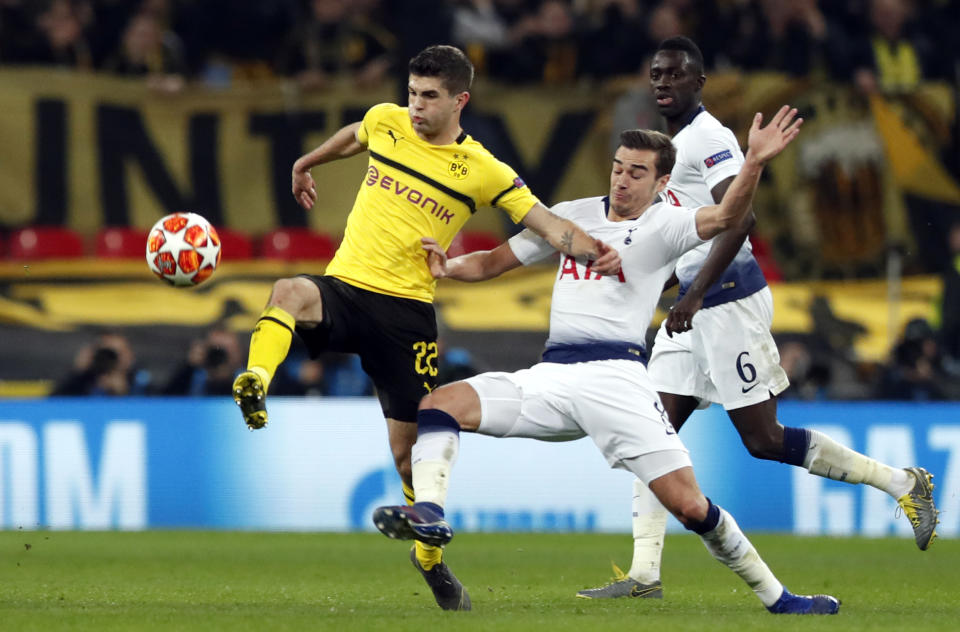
426	360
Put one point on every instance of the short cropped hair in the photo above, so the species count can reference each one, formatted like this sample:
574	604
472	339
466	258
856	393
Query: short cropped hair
684	45
657	142
447	62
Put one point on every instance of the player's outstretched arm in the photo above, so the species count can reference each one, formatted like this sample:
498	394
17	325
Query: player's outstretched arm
725	247
342	144
572	240
473	266
763	145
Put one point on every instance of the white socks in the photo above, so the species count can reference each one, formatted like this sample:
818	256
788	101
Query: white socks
825	457
649	528
433	456
726	542
730	546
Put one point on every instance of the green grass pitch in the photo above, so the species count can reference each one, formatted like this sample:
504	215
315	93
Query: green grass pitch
185	580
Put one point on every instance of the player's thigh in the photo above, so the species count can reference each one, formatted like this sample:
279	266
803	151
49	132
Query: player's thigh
399	353
680	407
616	404
741	353
673	365
459	400
336	317
395	338
653	465
531	403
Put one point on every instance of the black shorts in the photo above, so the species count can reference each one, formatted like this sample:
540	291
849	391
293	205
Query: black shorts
396	339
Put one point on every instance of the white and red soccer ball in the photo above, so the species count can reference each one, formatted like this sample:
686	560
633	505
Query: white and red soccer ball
183	249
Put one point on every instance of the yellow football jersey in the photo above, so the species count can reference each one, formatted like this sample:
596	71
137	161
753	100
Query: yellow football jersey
413	189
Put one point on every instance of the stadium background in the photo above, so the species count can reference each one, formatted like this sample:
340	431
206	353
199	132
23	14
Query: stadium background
854	226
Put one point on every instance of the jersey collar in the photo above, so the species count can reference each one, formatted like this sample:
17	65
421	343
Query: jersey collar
695	114
606	210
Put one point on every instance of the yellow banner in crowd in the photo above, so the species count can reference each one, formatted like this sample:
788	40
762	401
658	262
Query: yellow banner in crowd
45	296
88	150
93	150
916	167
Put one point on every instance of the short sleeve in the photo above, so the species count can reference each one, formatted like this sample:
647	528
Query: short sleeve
370	121
717	155
507	191
678	228
530	247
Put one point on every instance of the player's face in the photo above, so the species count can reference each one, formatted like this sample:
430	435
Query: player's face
633	182
434	112
675	87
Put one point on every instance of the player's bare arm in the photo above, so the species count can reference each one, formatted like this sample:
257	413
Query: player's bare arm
473	266
342	144
725	247
764	143
570	239
671	282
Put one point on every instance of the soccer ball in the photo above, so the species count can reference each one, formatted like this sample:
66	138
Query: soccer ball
183	249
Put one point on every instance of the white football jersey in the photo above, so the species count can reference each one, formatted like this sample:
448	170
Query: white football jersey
588	307
707	154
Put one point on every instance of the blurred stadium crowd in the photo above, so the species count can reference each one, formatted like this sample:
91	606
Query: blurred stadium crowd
878	46
108	366
509	40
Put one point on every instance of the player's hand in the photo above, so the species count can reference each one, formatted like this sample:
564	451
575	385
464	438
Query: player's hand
609	260
680	318
304	189
436	257
765	143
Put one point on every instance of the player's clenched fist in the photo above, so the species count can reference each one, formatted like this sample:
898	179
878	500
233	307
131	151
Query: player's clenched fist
304	189
608	261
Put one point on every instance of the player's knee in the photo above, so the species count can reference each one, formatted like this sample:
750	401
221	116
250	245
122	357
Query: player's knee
691	511
458	400
432	401
444	398
293	294
283	290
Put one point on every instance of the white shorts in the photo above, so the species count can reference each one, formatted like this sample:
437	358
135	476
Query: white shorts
611	401
729	357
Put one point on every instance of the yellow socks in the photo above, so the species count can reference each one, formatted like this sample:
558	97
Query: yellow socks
428	556
407	493
270	343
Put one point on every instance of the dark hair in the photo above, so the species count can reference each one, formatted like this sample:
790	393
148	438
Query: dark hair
686	45
447	62
104	360
654	141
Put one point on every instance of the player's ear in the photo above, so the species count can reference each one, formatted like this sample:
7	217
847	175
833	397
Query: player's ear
462	99
662	182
